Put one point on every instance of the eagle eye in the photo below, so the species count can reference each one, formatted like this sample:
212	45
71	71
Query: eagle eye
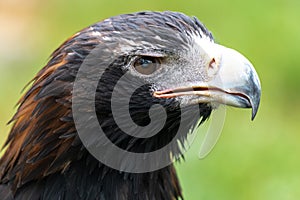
146	65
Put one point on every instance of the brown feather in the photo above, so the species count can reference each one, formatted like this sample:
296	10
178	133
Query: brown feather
44	156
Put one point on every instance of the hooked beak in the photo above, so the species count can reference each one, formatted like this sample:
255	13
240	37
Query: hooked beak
234	81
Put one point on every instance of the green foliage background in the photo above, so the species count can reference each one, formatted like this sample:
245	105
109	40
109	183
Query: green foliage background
252	160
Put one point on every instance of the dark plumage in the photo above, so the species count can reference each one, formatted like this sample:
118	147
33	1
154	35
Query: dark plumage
45	158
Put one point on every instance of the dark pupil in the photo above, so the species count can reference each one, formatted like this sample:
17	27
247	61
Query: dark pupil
146	65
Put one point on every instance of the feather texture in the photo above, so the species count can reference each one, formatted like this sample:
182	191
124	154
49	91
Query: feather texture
45	158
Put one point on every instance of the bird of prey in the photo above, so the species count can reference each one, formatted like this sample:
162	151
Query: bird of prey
163	61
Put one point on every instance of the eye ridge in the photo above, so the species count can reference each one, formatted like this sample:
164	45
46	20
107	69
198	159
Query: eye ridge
146	65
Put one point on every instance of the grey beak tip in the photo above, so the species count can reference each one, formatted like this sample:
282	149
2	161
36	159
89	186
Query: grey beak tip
253	115
255	106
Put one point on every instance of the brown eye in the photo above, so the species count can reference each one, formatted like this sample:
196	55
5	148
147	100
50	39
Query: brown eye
146	65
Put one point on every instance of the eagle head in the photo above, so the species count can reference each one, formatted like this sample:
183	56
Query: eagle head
114	105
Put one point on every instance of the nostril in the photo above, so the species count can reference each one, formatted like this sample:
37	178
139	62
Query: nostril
212	63
212	68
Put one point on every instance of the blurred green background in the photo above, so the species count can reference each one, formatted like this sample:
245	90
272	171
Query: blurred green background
252	160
